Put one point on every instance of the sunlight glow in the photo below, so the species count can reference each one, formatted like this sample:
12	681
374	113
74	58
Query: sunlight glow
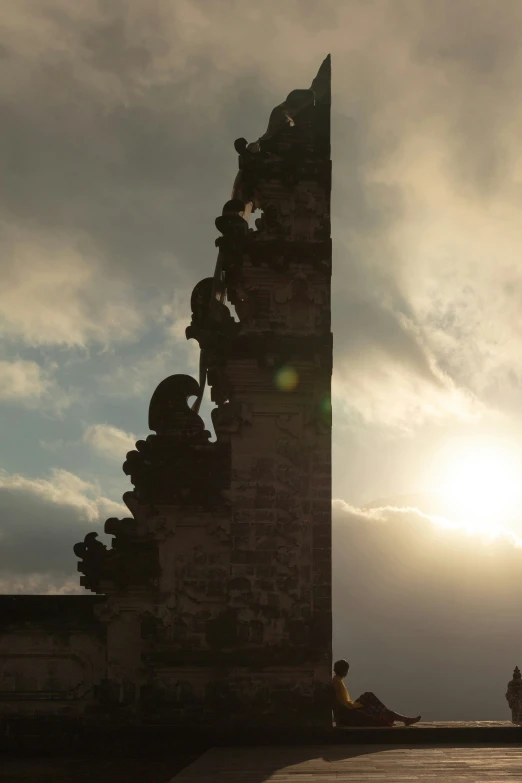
481	483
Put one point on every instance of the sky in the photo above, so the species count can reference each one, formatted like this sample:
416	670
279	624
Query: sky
116	155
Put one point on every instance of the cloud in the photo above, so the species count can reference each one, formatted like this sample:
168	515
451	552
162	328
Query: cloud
94	196
26	383
420	605
22	380
167	353
42	518
109	441
40	583
56	293
62	489
388	394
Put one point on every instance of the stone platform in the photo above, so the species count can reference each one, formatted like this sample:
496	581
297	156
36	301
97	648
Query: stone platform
433	732
488	751
354	763
41	736
361	763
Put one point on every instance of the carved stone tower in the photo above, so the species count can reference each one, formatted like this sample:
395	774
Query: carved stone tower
218	593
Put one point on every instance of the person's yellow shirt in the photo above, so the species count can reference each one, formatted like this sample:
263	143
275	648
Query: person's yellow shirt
342	695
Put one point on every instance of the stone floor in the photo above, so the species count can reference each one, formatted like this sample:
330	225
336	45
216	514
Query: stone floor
319	764
361	763
88	770
425	752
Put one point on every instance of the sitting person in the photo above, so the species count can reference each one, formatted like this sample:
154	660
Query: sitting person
367	710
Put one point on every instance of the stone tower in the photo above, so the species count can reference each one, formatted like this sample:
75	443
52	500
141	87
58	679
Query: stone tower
218	592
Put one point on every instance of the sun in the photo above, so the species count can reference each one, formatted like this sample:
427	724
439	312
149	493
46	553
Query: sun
480	481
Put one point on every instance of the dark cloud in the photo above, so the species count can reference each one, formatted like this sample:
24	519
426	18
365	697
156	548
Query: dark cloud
37	537
42	519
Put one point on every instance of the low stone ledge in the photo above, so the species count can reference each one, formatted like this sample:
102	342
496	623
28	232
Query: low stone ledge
434	732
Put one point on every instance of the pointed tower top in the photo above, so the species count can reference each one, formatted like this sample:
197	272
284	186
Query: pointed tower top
321	83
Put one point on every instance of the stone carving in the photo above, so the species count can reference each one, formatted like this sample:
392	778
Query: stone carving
298	305
94	557
169	413
208	309
234	228
127	563
37	676
244	299
212	326
514	696
271	223
230	417
120	527
276	157
250	167
286	114
178	464
232	225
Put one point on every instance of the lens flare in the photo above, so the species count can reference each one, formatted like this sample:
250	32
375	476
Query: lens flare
286	379
326	406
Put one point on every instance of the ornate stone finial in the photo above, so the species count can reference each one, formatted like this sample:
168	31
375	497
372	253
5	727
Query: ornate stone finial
286	114
275	170
178	465
93	561
514	696
169	412
212	325
232	222
211	319
128	562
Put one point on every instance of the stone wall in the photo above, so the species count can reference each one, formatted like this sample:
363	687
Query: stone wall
52	654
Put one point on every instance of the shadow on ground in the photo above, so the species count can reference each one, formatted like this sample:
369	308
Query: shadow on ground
262	764
256	764
83	769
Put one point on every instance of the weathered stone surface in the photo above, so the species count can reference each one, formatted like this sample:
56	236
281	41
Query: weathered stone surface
52	654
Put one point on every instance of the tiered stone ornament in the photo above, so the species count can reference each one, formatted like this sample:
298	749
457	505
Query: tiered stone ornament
218	591
514	696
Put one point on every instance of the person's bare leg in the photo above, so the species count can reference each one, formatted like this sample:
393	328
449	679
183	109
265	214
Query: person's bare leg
393	717
410	721
404	719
